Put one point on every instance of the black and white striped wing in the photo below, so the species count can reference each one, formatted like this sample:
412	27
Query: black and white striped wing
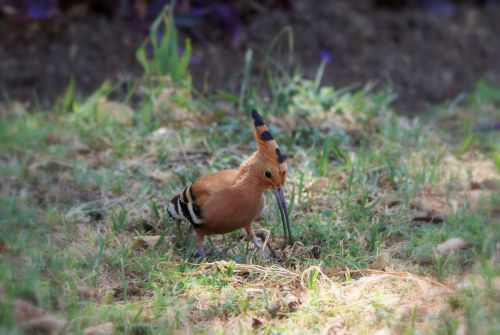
183	207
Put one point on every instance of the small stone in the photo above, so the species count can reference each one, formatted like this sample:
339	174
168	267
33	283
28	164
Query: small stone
102	329
151	239
274	309
451	245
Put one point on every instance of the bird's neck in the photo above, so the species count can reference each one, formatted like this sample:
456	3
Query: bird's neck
249	175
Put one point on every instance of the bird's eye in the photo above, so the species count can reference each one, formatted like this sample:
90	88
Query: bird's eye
268	174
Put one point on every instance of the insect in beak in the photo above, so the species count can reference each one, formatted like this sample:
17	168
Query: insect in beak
280	198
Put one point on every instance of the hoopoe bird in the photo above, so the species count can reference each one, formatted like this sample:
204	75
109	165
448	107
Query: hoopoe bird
231	199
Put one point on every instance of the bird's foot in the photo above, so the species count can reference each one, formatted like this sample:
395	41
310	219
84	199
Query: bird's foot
200	252
256	243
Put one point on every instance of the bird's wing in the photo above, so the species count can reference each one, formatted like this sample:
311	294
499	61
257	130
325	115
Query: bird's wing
185	206
190	203
205	187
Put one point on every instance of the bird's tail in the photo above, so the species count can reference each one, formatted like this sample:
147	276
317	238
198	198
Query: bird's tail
183	207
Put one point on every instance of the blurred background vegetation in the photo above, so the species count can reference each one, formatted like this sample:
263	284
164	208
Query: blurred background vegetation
427	51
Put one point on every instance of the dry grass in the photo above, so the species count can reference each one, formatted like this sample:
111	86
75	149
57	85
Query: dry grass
303	297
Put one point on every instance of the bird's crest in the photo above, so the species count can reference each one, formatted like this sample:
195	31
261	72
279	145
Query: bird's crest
266	145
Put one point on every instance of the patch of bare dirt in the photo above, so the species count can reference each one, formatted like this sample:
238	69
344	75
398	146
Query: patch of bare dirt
473	183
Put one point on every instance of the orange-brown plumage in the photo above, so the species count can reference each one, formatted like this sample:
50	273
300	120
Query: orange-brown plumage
231	199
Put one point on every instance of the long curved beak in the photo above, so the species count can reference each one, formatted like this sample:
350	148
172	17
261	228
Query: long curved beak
280	198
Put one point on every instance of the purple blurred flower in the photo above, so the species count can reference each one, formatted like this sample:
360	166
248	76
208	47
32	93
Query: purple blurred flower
31	9
326	55
438	6
42	9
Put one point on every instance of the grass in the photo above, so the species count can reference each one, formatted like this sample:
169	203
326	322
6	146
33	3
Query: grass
83	233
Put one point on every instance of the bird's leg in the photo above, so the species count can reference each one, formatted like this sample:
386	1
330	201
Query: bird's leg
200	250
251	235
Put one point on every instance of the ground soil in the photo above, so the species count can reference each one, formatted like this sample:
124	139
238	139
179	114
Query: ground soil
427	57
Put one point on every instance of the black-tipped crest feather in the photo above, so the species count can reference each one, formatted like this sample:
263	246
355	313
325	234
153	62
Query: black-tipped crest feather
265	141
266	136
281	158
257	119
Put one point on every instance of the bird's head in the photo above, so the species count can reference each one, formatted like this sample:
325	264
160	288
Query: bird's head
271	167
